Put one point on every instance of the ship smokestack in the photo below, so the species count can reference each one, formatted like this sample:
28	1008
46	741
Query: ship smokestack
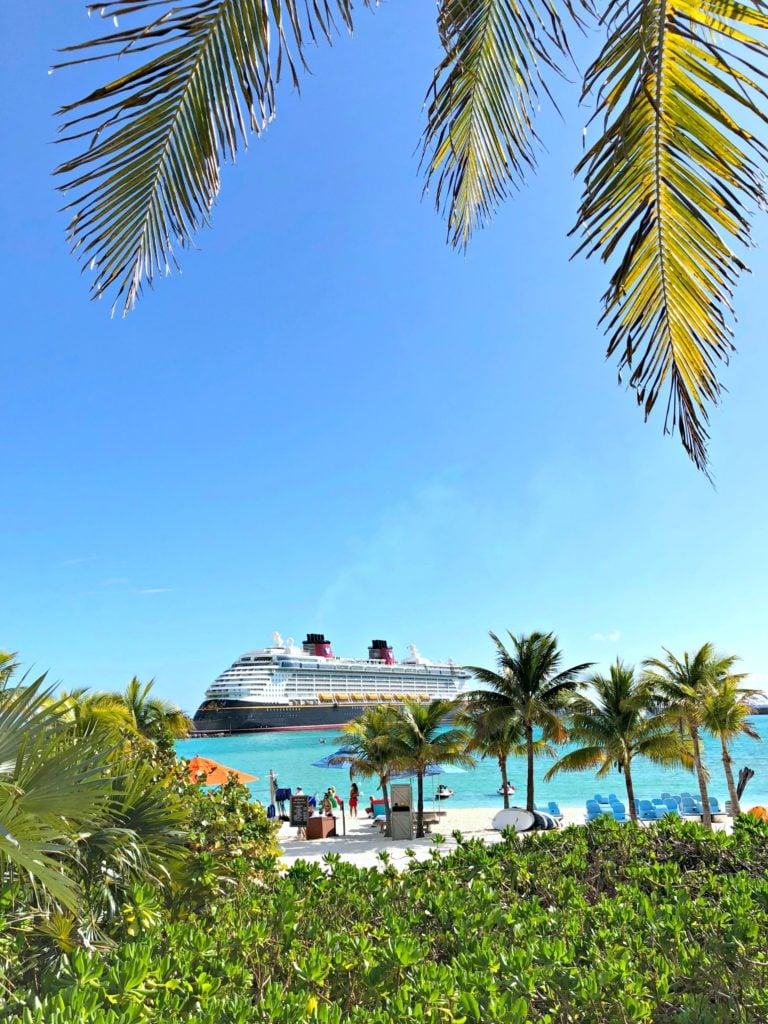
381	651
317	644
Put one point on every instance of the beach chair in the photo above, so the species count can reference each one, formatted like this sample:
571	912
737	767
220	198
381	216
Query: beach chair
601	799
689	809
594	810
554	809
673	804
714	806
668	811
658	802
646	811
666	796
613	799
618	810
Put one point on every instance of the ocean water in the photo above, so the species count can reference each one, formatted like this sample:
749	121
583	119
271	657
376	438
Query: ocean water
290	756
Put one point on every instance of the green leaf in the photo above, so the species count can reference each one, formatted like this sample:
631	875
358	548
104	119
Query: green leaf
668	188
155	137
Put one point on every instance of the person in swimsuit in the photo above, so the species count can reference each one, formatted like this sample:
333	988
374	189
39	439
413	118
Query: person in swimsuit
354	794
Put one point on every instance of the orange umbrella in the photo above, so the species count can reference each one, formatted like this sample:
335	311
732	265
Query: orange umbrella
211	773
759	812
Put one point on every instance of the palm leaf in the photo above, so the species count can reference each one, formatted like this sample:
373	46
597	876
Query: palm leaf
157	135
480	140
667	188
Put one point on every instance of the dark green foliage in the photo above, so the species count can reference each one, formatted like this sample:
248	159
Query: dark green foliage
600	924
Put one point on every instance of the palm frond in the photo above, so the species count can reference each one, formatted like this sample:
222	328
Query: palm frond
480	140
579	760
156	136
667	190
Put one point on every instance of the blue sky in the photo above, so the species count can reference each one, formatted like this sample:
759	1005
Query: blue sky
331	422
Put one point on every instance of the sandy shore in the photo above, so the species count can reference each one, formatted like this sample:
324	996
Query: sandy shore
364	842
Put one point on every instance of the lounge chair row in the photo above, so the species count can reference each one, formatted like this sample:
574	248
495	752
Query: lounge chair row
649	810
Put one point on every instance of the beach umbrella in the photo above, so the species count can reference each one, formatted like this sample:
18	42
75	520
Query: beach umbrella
338	759
211	773
431	769
342	758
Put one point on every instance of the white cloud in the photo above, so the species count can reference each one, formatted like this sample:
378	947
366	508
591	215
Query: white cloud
154	590
607	638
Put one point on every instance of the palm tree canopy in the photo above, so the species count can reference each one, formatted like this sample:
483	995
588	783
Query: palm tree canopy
683	684
8	666
369	742
613	721
152	717
678	91
422	739
727	709
529	684
496	735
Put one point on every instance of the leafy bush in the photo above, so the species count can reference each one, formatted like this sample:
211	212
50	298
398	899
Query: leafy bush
601	924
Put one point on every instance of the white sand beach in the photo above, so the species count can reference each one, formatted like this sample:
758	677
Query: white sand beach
364	842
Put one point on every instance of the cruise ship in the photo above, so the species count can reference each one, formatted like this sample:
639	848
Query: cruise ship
289	687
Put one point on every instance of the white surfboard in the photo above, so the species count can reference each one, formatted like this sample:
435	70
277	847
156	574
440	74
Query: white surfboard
513	817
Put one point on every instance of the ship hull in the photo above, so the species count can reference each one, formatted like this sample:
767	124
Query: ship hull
231	716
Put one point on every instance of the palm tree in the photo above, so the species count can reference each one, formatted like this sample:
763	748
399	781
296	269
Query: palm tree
683	687
103	712
497	736
155	719
51	790
614	720
725	715
656	204
530	688
422	740
8	666
370	747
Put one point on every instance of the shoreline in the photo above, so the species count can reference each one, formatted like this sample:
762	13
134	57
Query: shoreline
364	842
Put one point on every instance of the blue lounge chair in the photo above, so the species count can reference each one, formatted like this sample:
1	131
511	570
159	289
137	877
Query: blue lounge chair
673	804
594	810
601	799
554	809
666	796
646	811
714	806
618	810
688	808
658	802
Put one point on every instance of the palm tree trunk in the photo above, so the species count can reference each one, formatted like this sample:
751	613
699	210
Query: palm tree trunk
385	794
503	767
420	803
630	791
707	815
529	750
727	761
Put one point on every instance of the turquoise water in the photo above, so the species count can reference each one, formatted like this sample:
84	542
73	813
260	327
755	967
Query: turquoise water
290	755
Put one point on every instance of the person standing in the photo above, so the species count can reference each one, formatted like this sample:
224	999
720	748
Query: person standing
354	795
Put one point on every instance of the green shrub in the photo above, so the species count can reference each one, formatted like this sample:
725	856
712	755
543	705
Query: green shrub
601	924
